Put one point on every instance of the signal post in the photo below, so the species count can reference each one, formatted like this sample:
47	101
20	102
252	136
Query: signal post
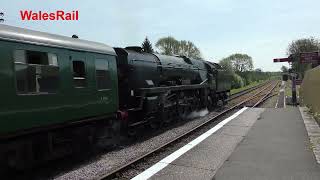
304	58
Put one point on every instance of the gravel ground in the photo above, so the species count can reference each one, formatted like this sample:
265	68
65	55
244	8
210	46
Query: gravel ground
271	102
253	101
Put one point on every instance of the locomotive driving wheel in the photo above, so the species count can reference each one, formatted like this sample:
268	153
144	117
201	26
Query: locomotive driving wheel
181	112
155	122
210	105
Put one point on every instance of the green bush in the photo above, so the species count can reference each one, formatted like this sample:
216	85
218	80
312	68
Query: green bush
237	81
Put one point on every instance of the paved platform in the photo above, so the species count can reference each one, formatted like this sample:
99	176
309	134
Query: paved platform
204	160
277	147
258	144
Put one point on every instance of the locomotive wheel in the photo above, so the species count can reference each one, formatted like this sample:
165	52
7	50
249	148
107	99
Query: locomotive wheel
210	105
4	169
21	158
108	137
155	123
181	112
115	133
220	103
169	115
173	115
164	115
132	132
3	165
189	110
196	104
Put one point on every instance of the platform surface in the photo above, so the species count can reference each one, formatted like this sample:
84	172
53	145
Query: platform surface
258	144
277	147
204	160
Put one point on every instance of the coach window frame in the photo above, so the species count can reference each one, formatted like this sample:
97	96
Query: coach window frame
78	59
14	62
109	81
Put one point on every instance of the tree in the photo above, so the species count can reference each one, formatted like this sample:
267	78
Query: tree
236	81
168	45
239	65
187	48
239	62
284	69
226	64
302	45
258	70
171	46
147	46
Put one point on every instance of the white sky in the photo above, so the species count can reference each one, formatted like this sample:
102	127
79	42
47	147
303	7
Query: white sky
261	29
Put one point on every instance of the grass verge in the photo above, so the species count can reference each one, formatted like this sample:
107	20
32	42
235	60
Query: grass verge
233	91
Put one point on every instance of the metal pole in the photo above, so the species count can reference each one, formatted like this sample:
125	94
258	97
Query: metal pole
294	91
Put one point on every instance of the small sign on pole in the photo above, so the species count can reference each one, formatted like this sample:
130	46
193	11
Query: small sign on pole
282	60
298	81
309	57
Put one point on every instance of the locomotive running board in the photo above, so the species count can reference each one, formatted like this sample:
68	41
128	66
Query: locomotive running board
173	88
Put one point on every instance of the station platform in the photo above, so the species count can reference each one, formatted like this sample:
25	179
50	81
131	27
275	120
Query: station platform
257	144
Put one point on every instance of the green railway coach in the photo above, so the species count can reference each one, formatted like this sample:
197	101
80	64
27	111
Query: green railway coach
50	81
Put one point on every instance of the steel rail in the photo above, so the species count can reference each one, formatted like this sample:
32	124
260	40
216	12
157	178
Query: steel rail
246	91
266	96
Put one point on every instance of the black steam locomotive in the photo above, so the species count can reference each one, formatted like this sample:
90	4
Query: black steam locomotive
158	89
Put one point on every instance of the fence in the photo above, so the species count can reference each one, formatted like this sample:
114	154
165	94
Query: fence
310	89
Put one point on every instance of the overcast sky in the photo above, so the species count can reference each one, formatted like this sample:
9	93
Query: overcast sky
261	29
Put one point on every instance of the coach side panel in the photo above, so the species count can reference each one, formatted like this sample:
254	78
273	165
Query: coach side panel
43	86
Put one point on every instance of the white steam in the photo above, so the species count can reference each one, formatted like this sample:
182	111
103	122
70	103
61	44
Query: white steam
196	114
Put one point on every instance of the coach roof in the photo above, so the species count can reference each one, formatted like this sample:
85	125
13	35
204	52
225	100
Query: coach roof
11	33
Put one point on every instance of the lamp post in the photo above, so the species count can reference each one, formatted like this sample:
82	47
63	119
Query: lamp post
294	87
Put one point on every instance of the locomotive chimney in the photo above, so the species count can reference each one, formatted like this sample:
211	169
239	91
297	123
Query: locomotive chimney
134	48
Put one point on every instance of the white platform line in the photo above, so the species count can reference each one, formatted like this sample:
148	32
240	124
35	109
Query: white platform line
277	100
167	160
284	95
277	103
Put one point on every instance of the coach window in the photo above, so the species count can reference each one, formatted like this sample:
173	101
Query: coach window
36	72
102	74
79	74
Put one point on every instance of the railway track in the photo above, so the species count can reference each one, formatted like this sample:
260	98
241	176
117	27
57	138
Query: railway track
240	93
253	101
